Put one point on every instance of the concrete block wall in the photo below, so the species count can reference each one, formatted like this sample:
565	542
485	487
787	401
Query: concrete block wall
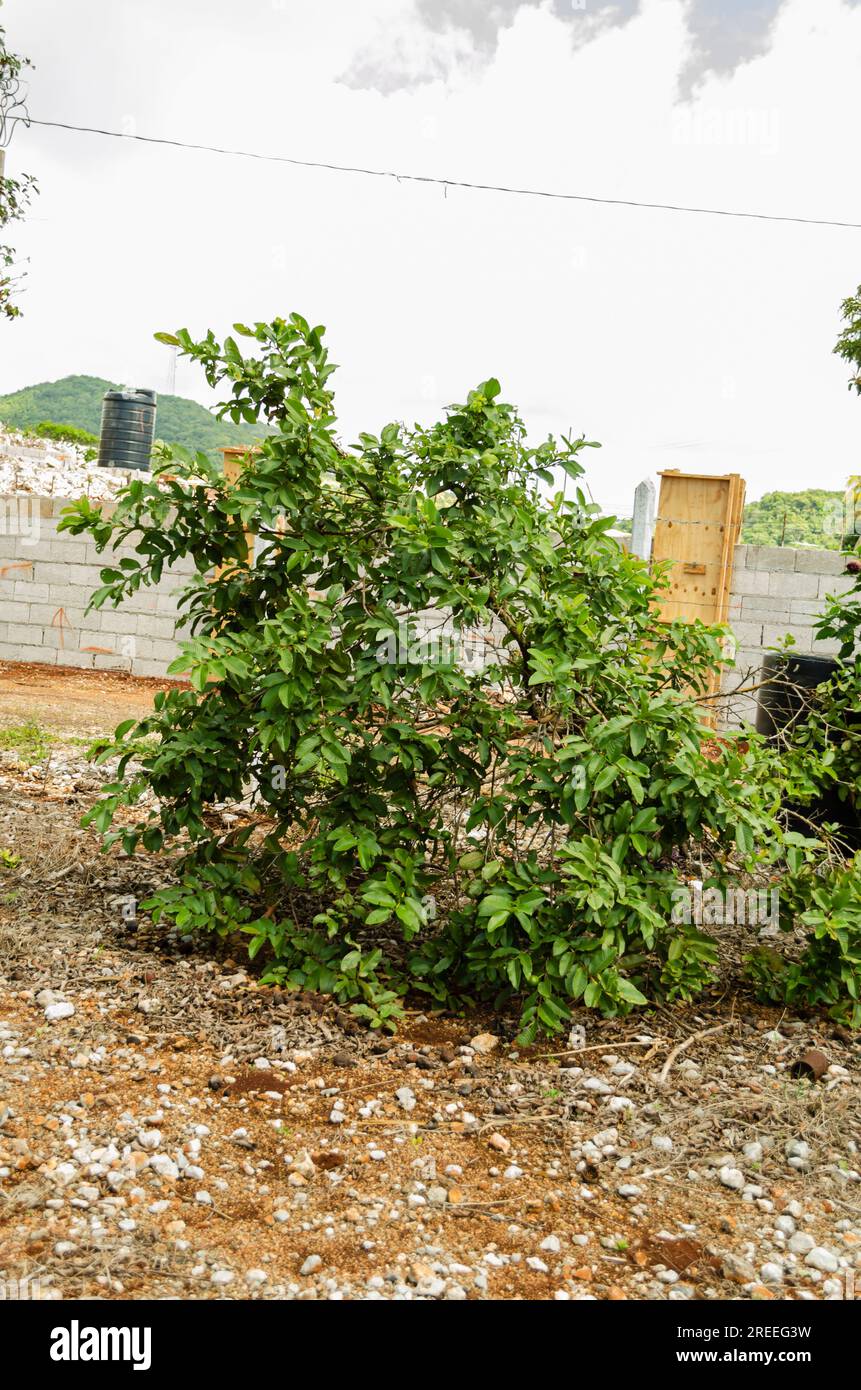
46	580
777	590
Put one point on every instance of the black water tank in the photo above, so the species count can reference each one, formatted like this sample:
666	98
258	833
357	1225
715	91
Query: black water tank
786	681
784	702
128	429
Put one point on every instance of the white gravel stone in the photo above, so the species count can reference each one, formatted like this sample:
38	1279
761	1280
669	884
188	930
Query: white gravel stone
731	1177
797	1148
55	1012
551	1244
311	1265
538	1265
771	1273
821	1258
223	1277
164	1165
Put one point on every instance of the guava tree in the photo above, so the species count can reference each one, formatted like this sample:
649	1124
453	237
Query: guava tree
511	831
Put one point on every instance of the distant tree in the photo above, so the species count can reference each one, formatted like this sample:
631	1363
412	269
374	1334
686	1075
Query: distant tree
848	345
812	517
15	194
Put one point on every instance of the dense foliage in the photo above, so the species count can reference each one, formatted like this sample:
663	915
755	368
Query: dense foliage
515	832
76	402
15	193
848	345
813	517
67	434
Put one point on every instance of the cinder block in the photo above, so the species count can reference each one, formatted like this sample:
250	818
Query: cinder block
748	581
764	603
820	562
117	620
144	601
143	667
167	603
106	642
33	550
62	550
770	557
31	593
69	595
159	629
748	634
22	632
835	584
18	651
49	615
742	710
746	659
61	638
111	663
739	558
49	572
773	636
13	611
766	615
825	648
90	576
785	585
164	651
77	660
92	556
804	607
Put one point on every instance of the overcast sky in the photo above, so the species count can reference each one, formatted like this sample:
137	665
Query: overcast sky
678	340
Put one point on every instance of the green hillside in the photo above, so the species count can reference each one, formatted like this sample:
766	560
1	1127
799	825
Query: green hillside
77	401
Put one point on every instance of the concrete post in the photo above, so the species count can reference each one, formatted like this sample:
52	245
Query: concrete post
643	524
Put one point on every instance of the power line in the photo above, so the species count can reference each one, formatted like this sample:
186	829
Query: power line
440	182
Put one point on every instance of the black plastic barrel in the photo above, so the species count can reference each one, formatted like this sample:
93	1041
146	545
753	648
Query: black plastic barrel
786	682
784	702
128	429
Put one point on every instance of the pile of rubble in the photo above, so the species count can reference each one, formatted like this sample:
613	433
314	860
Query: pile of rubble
48	468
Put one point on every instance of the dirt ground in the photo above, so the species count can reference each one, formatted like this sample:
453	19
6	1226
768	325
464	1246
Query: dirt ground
73	702
171	1128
